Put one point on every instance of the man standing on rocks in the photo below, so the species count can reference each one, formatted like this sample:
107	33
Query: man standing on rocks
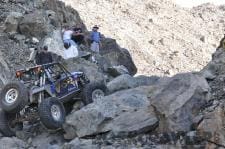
44	57
95	39
67	37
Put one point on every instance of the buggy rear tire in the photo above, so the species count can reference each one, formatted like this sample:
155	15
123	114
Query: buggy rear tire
13	97
92	91
5	129
52	113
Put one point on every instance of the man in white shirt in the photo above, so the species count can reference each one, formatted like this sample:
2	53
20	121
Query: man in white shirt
67	35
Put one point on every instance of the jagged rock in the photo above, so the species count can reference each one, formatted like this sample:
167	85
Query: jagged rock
113	113
126	82
212	127
178	100
35	24
14	143
117	56
117	70
12	21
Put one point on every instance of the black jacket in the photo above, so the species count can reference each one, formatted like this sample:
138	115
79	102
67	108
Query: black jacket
43	58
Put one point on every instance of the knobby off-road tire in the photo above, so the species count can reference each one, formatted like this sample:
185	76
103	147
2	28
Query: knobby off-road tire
52	113
92	91
14	97
5	119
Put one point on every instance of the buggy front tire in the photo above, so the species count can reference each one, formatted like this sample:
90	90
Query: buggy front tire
13	97
52	113
92	91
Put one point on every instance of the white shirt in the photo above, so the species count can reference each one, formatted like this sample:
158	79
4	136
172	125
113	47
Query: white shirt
67	34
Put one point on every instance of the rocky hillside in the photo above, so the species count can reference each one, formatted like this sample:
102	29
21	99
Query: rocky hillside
163	38
186	110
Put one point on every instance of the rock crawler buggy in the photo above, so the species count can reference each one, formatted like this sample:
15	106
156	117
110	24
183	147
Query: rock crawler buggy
40	92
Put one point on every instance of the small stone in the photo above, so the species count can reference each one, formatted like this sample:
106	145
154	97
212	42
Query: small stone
35	40
29	141
202	38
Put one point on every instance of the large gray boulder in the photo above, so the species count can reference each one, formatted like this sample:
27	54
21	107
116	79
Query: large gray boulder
178	100
35	24
12	21
122	113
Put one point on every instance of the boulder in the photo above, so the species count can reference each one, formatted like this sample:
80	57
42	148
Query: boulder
178	101
122	113
12	21
117	55
117	70
35	24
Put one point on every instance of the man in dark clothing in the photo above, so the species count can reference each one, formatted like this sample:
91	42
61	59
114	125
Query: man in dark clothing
78	35
44	57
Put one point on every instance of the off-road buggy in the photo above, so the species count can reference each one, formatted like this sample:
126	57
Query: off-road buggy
39	93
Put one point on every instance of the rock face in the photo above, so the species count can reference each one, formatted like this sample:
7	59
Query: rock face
212	127
140	111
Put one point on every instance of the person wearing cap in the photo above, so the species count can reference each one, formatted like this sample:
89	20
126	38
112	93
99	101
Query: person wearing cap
44	57
95	39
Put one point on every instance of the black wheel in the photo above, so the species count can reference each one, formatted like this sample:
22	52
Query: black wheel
52	113
13	97
6	127
93	91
